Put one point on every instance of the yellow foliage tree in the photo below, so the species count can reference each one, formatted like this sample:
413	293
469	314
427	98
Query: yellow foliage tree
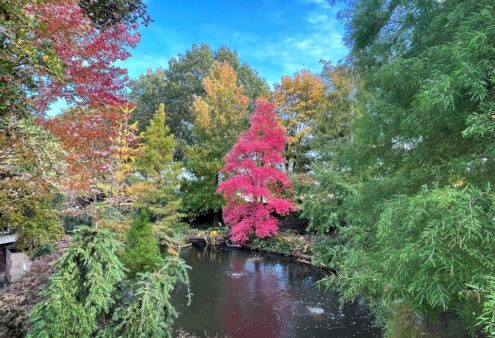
220	116
156	188
299	100
119	195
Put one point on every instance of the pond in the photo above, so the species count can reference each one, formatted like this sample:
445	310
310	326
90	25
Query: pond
237	293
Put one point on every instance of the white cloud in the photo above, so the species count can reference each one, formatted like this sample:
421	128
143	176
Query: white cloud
316	2
273	54
286	54
316	18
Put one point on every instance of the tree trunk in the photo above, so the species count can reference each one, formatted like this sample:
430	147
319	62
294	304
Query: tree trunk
215	218
215	212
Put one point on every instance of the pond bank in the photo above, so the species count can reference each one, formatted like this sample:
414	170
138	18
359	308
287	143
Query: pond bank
289	244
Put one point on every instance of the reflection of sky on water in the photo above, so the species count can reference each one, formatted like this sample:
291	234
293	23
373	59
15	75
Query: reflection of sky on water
268	298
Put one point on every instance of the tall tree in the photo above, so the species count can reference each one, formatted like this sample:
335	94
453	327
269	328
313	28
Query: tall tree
323	197
299	101
220	116
158	190
50	50
100	147
177	86
87	52
343	94
256	183
421	227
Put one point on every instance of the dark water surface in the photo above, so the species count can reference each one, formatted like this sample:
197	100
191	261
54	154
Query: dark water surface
236	295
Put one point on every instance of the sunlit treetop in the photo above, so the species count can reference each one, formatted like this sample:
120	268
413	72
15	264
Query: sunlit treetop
299	101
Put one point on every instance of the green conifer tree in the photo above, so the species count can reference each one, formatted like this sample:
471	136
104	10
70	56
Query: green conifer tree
149	312
157	191
83	290
141	252
419	222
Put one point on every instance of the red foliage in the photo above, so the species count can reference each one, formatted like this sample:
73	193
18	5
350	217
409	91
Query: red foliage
88	53
256	178
93	139
17	300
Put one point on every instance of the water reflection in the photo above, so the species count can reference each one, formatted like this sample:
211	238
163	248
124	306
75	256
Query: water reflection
237	295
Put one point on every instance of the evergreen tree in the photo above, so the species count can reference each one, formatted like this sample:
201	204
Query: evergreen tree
141	252
82	291
419	227
88	293
158	190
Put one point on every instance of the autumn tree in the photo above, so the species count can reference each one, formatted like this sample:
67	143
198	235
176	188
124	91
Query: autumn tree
299	100
50	50
178	84
123	152
330	182
219	117
343	95
100	146
90	138
255	180
158	189
87	52
31	165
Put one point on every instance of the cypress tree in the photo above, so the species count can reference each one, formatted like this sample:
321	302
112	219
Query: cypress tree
419	224
157	190
141	252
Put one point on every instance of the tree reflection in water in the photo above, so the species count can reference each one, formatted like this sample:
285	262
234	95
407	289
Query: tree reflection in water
235	294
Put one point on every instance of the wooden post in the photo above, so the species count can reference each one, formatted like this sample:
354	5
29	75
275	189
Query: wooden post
8	265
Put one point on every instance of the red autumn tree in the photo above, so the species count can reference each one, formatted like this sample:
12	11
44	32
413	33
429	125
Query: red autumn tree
88	53
93	140
256	179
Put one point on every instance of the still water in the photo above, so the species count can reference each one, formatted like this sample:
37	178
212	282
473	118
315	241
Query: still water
237	293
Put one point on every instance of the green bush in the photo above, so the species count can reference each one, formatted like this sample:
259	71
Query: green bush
42	250
284	243
148	311
326	251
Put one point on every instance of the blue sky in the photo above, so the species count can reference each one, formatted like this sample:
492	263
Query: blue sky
274	37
